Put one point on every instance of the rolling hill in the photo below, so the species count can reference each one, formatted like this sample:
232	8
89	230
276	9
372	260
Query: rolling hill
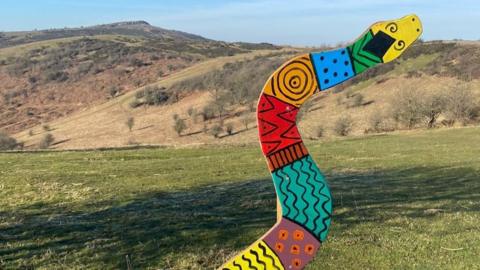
49	74
83	85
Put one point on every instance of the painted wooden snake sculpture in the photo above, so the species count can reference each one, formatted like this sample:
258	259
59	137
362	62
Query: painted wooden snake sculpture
303	196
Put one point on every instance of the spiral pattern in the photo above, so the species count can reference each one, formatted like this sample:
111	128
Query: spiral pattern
392	27
400	45
294	82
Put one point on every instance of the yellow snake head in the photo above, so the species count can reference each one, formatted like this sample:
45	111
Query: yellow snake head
391	38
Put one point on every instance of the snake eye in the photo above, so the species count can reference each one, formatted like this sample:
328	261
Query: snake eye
379	44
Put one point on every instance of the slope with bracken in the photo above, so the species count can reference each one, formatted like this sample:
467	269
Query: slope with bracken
49	74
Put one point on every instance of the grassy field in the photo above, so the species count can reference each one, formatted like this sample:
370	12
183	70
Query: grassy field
402	201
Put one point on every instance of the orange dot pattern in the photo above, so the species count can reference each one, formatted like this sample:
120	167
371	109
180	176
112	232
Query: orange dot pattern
294	246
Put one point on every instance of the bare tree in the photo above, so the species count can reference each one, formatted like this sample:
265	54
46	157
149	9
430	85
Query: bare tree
216	130
179	126
246	119
343	126
46	141
130	123
433	104
462	104
407	107
229	128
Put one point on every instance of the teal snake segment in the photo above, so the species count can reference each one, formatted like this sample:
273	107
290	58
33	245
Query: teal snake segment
304	196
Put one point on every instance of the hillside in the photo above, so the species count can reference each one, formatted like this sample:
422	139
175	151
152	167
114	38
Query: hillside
49	74
216	99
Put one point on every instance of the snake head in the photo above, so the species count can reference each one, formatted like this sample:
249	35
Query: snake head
392	38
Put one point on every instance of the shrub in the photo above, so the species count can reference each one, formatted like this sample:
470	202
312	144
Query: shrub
461	105
246	119
179	126
216	130
59	76
229	129
32	79
153	95
46	141
46	127
191	111
432	106
7	142
135	62
379	122
343	126
208	113
113	91
358	100
130	123
407	108
376	122
320	131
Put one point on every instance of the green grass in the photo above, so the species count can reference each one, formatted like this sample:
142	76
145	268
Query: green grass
402	201
413	64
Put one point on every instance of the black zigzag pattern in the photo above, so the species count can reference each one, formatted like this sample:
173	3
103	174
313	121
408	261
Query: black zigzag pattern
256	258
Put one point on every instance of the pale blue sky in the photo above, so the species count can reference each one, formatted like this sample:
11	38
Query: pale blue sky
296	22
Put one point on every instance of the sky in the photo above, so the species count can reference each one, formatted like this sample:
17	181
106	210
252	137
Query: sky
286	22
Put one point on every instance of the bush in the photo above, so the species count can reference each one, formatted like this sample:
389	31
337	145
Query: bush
320	132
7	142
462	105
407	107
113	91
379	122
216	130
208	113
432	106
191	111
229	129
246	119
179	126
153	95
343	126
59	76
135	62
130	123
358	100
46	141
